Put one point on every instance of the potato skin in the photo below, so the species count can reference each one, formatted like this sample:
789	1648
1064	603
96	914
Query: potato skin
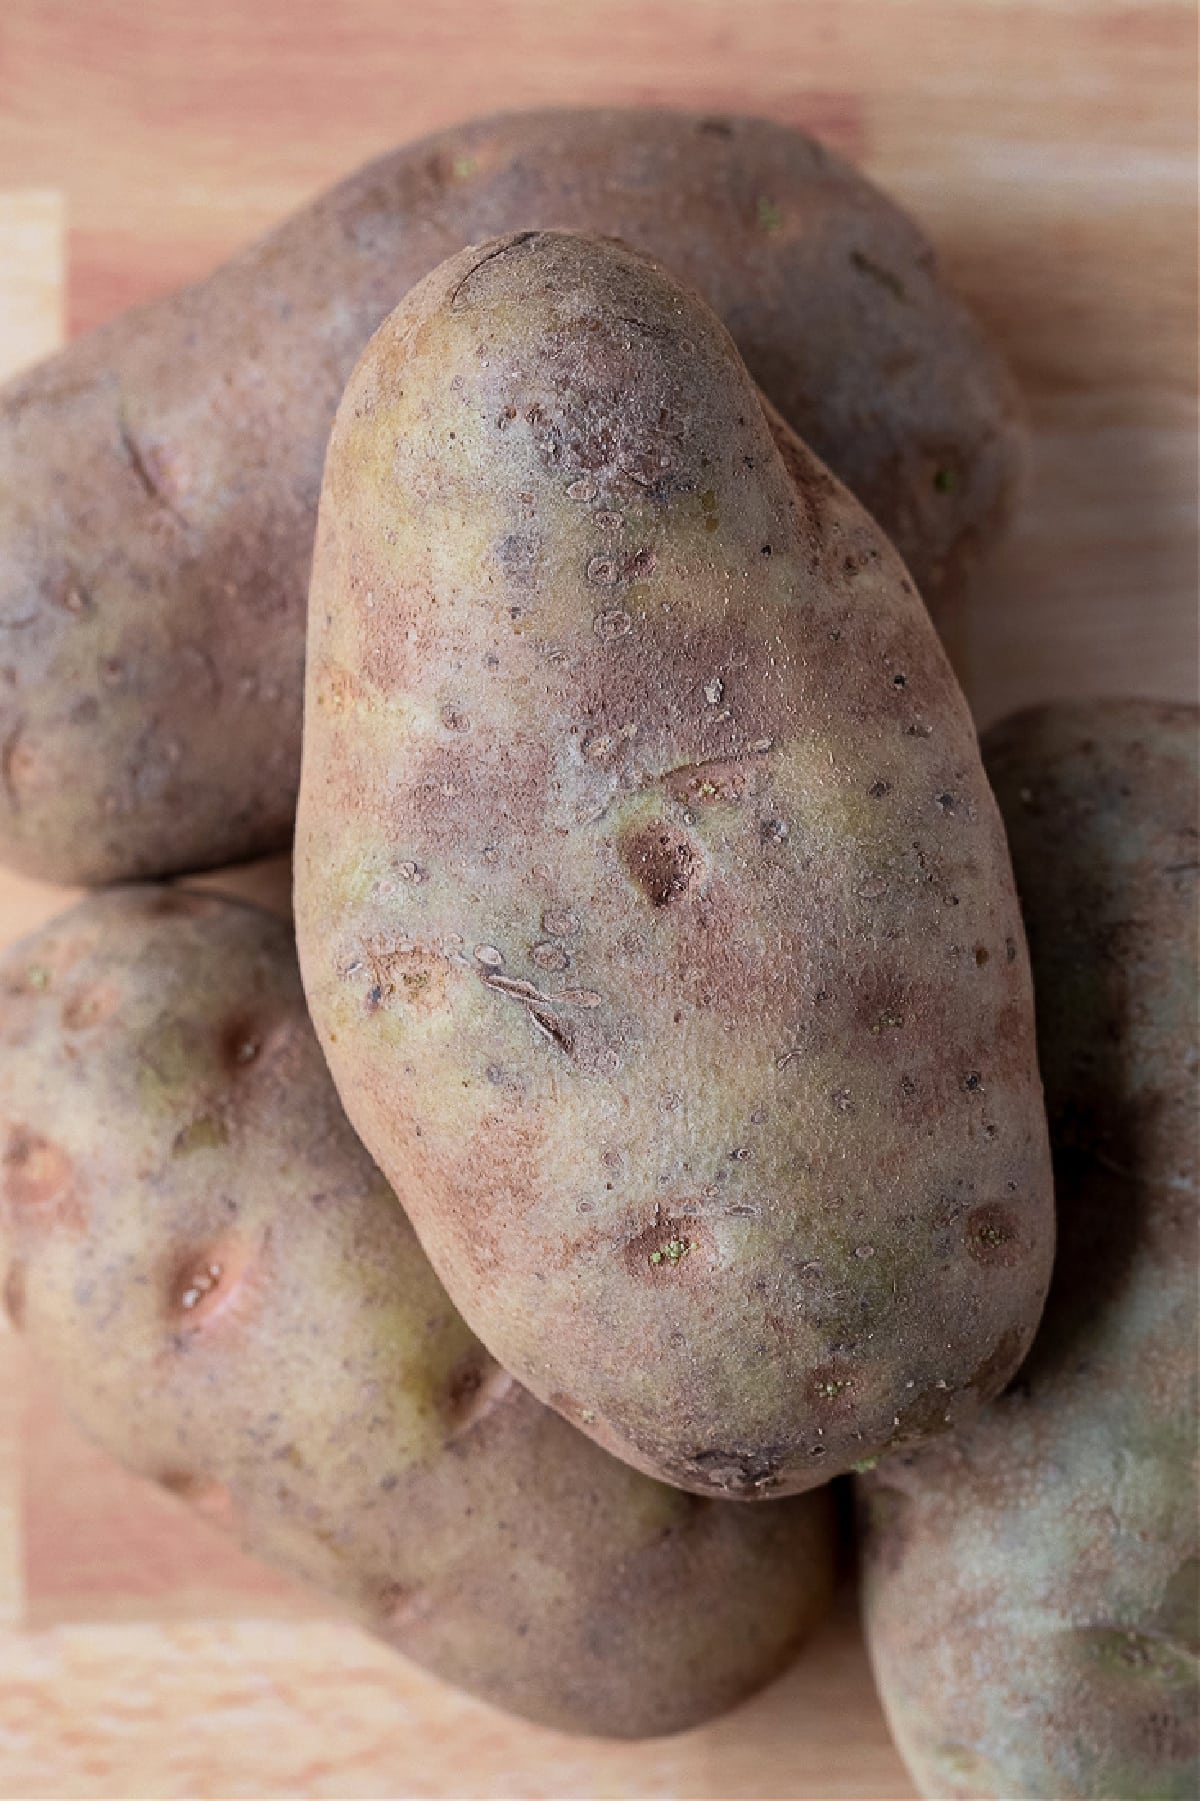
232	1303
653	909
159	478
1032	1597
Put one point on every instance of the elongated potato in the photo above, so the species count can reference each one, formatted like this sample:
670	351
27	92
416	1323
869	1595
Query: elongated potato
1032	1589
230	1301
159	479
654	911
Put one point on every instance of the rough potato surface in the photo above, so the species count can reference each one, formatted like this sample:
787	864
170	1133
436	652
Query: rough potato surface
159	478
1032	1589
655	913
230	1300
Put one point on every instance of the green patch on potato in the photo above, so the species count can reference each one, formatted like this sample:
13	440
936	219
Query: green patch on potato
714	944
1032	1590
230	1300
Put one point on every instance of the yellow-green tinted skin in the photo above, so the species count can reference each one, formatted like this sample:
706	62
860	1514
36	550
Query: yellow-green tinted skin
654	911
159	477
229	1299
1032	1588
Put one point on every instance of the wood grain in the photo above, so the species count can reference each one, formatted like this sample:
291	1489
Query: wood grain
1049	148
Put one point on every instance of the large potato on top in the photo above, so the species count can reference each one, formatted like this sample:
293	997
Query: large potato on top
1033	1587
654	911
159	479
230	1300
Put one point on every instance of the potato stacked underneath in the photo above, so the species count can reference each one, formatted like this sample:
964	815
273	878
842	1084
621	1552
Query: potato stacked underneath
229	1299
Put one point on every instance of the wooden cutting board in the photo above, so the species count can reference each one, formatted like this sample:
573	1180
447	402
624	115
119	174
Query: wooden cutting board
1049	149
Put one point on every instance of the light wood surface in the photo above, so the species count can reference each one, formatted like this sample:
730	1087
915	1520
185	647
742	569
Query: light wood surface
1049	148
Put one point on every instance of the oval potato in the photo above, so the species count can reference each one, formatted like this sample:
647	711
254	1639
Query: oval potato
1032	1588
654	911
159	478
230	1300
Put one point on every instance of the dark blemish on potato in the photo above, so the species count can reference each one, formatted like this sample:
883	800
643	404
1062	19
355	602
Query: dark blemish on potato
774	831
240	1043
883	278
477	1387
972	1082
9	761
993	1236
89	1007
981	955
204	1494
715	128
899	681
402	1608
662	861
670	1247
877	790
998	1366
518	555
36	1172
560	1032
12	1296
924	1417
945	481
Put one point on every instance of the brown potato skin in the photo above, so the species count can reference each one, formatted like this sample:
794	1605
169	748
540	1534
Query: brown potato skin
165	1113
1032	1596
654	912
159	478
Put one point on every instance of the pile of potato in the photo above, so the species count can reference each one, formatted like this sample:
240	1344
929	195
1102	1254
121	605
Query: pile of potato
658	1134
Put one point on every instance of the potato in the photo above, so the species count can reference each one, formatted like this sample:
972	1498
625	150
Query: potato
1032	1596
654	912
159	479
231	1301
